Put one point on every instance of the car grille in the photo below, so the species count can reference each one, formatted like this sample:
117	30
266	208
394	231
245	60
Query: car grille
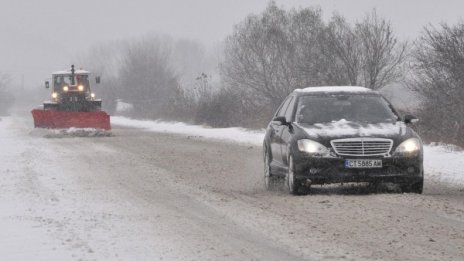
362	146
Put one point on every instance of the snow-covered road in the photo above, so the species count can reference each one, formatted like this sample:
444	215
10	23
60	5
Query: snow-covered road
140	195
442	163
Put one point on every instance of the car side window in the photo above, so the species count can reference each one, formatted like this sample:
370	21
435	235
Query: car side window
290	109
283	108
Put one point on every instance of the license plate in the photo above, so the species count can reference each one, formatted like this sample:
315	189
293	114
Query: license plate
361	163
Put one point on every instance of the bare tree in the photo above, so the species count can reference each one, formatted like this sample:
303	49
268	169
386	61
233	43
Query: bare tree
190	58
382	53
341	45
439	80
271	54
313	66
258	55
367	54
146	78
105	60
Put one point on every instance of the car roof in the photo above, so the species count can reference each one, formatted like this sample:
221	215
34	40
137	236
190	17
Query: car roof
334	90
81	72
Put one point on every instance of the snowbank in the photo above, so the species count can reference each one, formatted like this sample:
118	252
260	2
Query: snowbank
444	164
441	163
228	134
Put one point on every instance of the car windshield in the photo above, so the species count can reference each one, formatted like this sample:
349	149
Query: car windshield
62	80
356	108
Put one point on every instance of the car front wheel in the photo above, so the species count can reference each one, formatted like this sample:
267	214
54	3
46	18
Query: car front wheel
293	184
271	182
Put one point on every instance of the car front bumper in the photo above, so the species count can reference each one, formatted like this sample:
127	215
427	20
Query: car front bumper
332	170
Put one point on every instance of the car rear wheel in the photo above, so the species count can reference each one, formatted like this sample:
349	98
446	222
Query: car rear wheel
271	182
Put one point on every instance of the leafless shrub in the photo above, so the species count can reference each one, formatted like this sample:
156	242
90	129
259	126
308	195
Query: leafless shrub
181	106
438	78
6	97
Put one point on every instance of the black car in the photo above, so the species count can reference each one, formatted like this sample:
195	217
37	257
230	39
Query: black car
323	135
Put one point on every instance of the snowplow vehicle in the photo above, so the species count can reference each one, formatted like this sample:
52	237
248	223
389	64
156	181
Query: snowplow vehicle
72	105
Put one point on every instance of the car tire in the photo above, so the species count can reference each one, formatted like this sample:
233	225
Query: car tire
293	184
271	182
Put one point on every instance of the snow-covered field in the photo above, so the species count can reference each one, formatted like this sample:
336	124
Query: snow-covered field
441	163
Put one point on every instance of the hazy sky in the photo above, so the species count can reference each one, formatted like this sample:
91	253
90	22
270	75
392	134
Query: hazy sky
38	37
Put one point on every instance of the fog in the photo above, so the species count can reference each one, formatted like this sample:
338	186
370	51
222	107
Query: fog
38	37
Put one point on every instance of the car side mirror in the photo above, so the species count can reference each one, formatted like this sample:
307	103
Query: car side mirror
280	120
97	80
408	118
47	84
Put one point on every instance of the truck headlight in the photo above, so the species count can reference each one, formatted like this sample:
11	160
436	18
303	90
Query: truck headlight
65	88
409	147
54	95
92	95
312	148
80	88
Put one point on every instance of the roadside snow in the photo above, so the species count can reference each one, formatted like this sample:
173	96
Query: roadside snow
444	164
441	163
77	132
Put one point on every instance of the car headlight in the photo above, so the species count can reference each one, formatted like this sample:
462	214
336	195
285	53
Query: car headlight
80	87
65	88
312	148
409	147
54	95
92	95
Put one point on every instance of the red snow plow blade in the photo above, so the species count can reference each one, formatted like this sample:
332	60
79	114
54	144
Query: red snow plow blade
63	119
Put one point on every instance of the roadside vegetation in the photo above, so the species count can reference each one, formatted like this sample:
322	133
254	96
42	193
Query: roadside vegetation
438	79
267	55
6	96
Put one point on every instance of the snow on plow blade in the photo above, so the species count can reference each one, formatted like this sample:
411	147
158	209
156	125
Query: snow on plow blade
68	119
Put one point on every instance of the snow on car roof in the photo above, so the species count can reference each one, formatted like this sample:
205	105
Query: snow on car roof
69	72
333	89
